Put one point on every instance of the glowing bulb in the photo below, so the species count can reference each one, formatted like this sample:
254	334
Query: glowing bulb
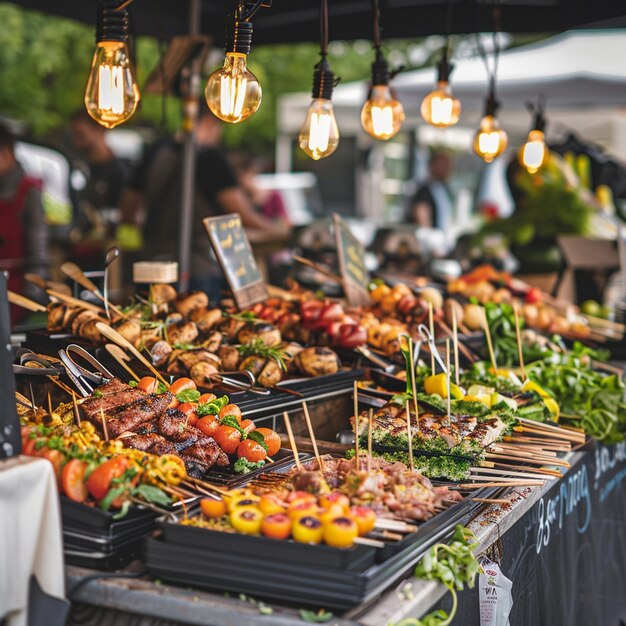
112	93
233	92
381	115
490	141
534	152
319	135
440	108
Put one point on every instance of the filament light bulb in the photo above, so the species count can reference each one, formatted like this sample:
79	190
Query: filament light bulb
112	94
534	153
319	136
382	115
490	141
440	108
233	92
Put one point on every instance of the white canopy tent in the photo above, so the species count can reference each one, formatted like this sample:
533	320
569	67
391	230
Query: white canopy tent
581	74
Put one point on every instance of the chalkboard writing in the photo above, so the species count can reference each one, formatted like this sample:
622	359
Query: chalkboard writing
233	251
10	439
354	273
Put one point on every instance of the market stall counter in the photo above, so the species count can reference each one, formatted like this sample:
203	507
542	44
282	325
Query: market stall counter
561	545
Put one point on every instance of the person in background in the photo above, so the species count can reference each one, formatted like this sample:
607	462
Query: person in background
107	174
23	230
268	202
432	206
154	195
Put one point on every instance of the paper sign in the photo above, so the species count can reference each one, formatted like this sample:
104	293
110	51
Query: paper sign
496	600
354	273
234	254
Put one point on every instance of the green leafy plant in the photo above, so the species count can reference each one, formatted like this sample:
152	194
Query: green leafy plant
259	348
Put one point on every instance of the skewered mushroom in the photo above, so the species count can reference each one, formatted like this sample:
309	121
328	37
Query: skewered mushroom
160	352
267	333
229	355
201	373
130	330
316	361
182	332
187	303
162	294
206	319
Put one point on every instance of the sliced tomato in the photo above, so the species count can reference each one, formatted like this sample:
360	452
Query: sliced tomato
208	425
227	438
205	398
271	438
181	384
230	409
149	384
251	450
99	481
57	459
73	480
247	426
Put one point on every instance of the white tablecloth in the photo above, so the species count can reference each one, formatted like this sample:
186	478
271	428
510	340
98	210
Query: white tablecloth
30	535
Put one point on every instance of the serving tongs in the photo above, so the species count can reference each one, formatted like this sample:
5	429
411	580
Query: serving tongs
85	380
33	364
249	384
387	367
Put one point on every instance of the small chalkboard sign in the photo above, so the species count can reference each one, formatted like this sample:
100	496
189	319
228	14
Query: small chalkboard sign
354	273
233	251
10	437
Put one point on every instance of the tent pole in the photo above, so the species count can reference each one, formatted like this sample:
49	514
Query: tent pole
189	159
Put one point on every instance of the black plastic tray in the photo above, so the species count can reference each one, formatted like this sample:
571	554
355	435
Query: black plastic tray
355	558
101	559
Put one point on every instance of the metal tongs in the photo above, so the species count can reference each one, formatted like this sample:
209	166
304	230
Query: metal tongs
226	378
427	338
85	380
41	365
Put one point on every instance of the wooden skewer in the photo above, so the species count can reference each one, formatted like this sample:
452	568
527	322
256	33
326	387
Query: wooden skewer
317	268
104	425
511	483
309	425
25	303
386	535
44	284
356	425
292	441
60	384
431	327
365	541
528	459
122	358
114	336
409	435
455	341
397	525
75	302
533	431
515	473
491	500
501	479
492	354
521	449
550	431
369	441
449	398
209	486
518	337
536	470
49	405
414	385
76	412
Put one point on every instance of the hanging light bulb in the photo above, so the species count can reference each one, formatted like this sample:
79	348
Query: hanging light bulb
319	135
112	94
382	115
440	108
490	141
533	155
233	92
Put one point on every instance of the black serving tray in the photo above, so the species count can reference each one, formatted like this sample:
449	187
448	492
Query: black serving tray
263	548
102	559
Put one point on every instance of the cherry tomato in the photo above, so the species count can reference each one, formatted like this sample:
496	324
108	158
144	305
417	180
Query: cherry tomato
335	497
99	481
57	459
533	296
205	398
73	480
149	384
25	434
251	450
247	520
340	532
247	426
28	449
365	519
181	384
227	438
301	508
272	440
270	504
230	409
307	529
276	526
213	508
189	409
208	425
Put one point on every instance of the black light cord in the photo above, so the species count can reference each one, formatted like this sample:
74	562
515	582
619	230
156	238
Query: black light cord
324	80
491	103
324	28
376	25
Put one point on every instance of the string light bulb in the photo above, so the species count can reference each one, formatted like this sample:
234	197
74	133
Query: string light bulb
533	155
233	93
440	108
112	94
319	135
382	115
490	141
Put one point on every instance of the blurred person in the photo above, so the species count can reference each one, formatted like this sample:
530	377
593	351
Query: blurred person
432	205
268	202
155	191
23	230
107	175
